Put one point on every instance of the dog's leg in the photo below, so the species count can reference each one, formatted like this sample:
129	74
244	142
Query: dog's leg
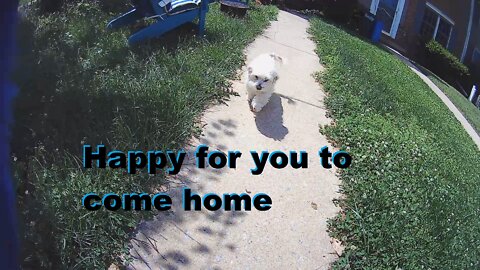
259	101
257	106
250	96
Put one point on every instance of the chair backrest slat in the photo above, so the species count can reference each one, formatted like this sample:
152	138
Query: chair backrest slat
156	7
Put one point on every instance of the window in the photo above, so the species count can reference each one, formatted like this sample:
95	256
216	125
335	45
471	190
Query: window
429	23
443	32
436	26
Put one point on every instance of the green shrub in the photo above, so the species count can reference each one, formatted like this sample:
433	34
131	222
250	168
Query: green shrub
303	4
49	6
445	64
339	11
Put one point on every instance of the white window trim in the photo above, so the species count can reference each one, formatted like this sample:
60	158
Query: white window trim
374	6
396	19
476	50
444	16
439	12
469	31
449	36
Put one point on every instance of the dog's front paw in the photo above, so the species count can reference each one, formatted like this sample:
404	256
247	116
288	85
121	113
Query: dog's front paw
256	107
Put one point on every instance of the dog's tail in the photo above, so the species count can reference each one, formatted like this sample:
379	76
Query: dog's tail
278	58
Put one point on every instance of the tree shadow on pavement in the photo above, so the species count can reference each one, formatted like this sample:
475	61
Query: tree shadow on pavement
175	239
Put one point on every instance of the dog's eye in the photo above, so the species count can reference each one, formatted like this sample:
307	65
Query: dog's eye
256	77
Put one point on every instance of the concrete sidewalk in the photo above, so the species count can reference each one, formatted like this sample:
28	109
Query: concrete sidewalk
466	125
291	235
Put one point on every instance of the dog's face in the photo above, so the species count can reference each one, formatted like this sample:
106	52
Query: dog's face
261	80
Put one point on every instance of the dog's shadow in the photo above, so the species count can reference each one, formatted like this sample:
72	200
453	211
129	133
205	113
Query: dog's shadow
269	121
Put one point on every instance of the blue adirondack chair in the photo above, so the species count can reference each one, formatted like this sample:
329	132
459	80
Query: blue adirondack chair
169	14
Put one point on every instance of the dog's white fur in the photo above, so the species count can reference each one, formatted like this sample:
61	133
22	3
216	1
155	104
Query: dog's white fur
262	74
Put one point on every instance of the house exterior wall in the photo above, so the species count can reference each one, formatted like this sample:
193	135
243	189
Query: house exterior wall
408	39
365	3
474	45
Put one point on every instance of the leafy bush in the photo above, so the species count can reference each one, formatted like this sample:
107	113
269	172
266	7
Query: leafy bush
49	6
340	11
412	193
81	84
445	64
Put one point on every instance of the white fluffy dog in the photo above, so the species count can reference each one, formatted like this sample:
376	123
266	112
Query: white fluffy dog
261	78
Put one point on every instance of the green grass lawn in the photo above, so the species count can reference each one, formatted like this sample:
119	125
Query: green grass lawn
471	113
81	84
412	194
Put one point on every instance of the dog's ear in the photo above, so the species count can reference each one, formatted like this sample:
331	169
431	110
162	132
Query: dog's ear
277	57
274	76
250	70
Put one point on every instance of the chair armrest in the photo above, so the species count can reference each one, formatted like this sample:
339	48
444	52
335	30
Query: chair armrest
163	3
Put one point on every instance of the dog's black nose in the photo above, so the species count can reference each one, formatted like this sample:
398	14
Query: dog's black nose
259	87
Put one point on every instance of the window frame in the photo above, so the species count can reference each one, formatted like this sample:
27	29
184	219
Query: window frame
440	15
397	18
